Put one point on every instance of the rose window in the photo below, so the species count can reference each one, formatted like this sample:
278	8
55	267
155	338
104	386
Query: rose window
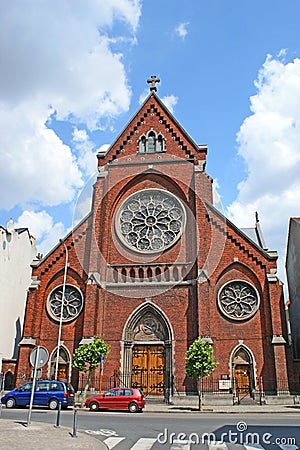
150	220
70	307
238	300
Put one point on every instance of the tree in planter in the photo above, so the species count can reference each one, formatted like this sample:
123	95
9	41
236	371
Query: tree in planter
200	362
87	357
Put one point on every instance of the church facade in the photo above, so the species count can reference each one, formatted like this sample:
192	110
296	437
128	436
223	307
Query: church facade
153	266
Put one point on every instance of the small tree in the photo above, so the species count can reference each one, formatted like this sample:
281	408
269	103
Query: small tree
200	362
87	357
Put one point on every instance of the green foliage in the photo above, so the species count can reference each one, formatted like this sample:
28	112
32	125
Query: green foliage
87	357
199	359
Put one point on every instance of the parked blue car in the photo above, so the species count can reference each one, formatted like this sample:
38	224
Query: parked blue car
47	393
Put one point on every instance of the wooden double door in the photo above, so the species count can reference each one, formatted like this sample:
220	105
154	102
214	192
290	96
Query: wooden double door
242	379
148	368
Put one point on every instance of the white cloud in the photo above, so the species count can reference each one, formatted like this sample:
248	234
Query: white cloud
86	154
269	143
143	95
103	148
35	165
170	101
61	59
181	29
84	201
42	227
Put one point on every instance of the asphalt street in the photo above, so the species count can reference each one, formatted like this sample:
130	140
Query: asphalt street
153	429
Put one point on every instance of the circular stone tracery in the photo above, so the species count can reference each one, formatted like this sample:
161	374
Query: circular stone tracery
72	304
150	220
238	300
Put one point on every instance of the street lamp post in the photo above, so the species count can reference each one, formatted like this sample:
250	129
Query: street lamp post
62	308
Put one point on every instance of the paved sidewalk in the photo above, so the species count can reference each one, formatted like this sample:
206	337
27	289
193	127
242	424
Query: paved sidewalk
222	409
16	435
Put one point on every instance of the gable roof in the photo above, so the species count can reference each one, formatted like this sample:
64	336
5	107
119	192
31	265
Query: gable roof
178	132
252	235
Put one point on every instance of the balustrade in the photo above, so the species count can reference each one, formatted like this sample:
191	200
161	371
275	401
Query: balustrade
151	273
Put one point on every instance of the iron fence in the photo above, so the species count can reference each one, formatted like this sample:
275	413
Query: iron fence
148	383
152	386
173	387
268	386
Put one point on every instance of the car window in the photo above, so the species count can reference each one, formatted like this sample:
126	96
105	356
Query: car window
55	386
26	387
112	393
42	386
126	392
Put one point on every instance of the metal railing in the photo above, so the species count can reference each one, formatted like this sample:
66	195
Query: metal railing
169	386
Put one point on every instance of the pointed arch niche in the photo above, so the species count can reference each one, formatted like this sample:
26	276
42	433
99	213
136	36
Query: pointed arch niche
242	366
64	364
147	351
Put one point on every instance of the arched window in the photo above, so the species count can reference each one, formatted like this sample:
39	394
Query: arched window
160	143
142	145
151	142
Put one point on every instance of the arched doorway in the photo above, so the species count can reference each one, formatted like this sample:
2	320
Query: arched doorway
63	365
8	381
243	371
147	351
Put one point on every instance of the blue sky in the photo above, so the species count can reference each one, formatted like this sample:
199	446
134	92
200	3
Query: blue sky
74	72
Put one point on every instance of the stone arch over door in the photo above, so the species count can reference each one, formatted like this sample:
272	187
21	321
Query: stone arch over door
64	364
147	351
243	370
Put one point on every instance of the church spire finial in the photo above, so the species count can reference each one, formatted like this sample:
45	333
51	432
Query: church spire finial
153	80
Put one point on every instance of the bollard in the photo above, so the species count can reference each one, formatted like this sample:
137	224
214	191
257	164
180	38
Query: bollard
57	425
262	398
74	435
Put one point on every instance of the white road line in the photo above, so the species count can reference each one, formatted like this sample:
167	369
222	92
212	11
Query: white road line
218	445
253	447
288	446
111	442
143	444
180	445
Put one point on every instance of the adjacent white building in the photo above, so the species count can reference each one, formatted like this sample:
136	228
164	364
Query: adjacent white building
17	251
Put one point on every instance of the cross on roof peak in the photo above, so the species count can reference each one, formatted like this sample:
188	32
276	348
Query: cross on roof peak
153	80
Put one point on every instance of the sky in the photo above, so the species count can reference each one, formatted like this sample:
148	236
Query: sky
74	72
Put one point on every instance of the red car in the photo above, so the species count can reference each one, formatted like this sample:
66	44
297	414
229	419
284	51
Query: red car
119	398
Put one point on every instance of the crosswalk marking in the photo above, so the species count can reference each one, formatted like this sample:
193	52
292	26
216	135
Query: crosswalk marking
111	442
288	447
143	444
253	447
218	445
180	445
147	443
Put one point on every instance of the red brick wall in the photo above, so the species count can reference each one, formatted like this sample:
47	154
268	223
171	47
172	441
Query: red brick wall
218	252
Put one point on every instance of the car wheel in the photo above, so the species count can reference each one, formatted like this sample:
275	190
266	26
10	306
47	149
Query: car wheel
53	403
133	407
94	406
10	402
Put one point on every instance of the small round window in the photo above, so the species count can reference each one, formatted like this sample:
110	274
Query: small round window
238	300
70	306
